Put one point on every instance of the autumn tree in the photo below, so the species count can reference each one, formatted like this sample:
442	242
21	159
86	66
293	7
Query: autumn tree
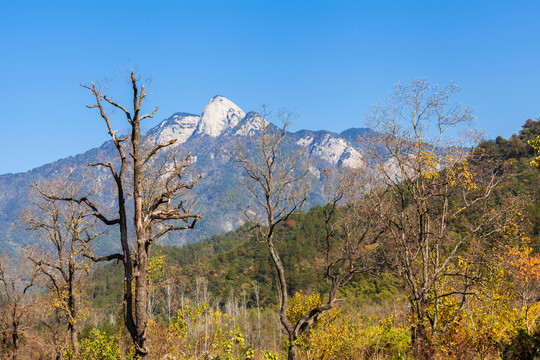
67	229
427	181
523	269
17	279
535	144
151	182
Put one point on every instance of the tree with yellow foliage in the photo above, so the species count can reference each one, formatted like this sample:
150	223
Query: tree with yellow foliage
523	267
535	144
427	180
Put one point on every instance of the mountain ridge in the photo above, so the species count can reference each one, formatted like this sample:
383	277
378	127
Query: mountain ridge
207	137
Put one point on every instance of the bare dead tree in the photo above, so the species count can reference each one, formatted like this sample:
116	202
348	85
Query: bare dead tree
427	181
352	230
352	235
67	228
156	186
158	190
276	187
16	282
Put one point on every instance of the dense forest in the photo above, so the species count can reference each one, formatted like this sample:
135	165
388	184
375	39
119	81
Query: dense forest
438	257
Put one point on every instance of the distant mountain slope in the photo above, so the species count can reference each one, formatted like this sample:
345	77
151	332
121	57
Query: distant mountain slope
207	137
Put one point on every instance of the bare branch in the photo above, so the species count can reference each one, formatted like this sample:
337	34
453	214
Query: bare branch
94	258
157	147
149	115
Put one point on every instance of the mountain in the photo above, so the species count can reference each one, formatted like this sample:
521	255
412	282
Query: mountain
208	137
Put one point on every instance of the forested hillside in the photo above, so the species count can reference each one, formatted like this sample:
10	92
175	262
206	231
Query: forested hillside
523	178
235	261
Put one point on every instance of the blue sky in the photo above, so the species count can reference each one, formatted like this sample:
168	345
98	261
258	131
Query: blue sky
329	61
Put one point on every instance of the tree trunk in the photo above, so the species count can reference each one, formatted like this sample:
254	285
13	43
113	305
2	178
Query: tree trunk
421	341
141	302
292	354
143	246
15	339
72	308
73	333
74	340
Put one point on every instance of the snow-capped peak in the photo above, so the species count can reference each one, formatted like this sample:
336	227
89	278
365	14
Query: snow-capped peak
220	114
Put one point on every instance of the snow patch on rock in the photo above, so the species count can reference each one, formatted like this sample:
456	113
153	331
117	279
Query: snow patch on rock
305	141
352	158
251	123
315	172
329	148
178	126
334	150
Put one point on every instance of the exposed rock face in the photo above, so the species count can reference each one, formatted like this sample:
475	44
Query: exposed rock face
219	115
331	147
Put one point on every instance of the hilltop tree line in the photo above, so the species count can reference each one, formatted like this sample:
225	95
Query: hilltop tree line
429	250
